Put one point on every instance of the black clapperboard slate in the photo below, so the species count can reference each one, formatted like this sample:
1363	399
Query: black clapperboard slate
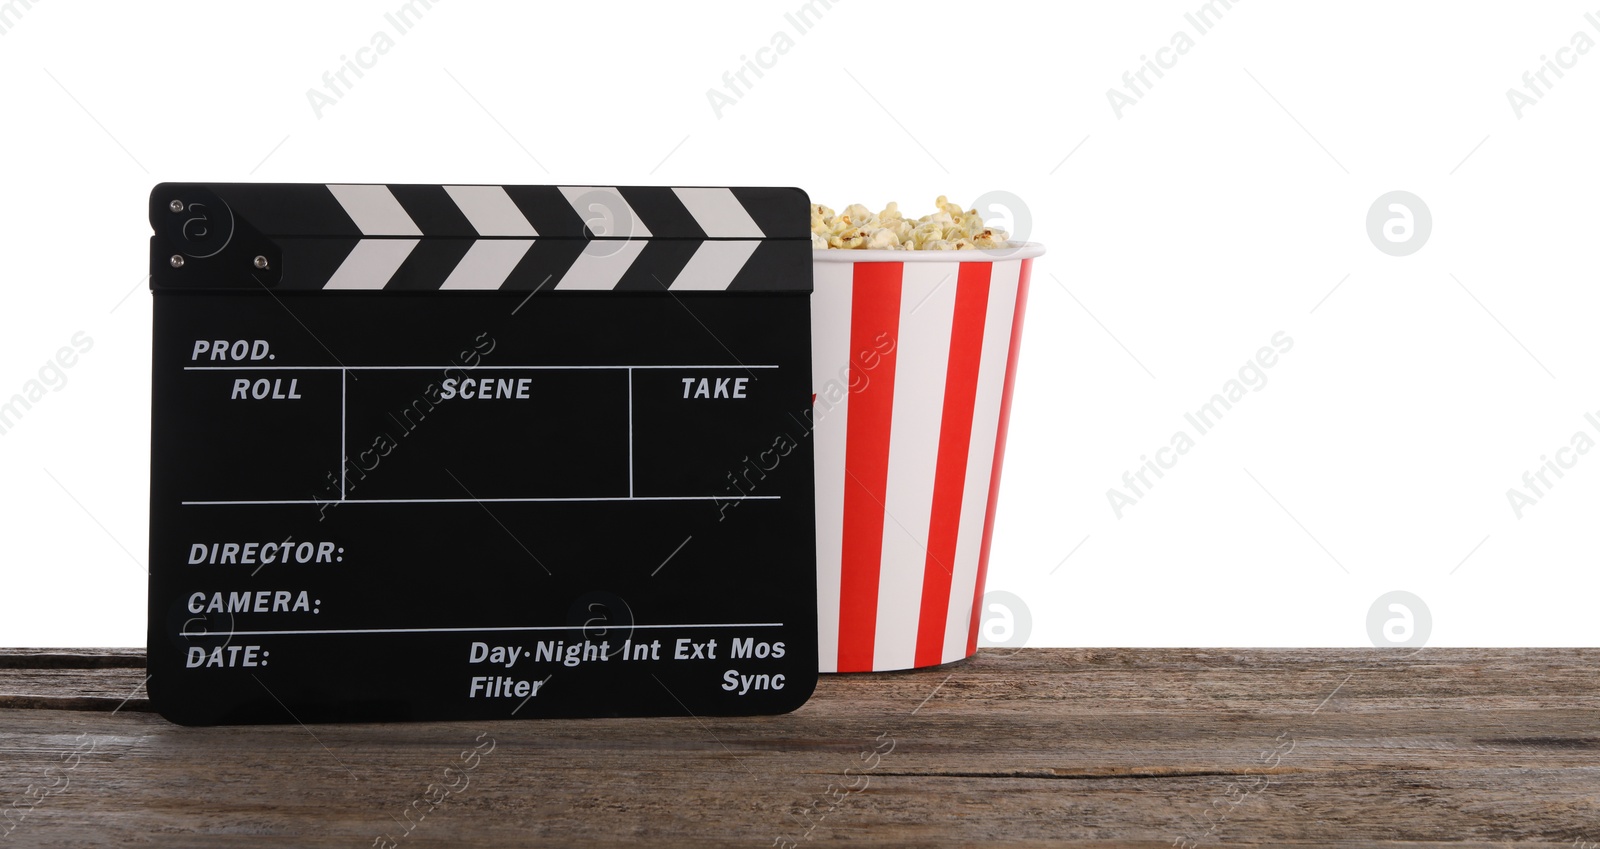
479	452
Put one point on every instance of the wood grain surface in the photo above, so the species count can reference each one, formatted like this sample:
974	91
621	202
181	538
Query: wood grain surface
1036	747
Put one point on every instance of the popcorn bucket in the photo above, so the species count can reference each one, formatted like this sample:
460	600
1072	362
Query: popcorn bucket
913	358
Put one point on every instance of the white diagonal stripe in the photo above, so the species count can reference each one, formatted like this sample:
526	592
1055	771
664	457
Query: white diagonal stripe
601	264
605	211
491	211
371	264
719	213
713	266
985	439
830	380
487	264
922	358
374	210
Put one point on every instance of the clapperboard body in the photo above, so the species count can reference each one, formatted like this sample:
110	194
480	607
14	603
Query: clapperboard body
435	452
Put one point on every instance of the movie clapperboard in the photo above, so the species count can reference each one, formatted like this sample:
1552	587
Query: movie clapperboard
479	452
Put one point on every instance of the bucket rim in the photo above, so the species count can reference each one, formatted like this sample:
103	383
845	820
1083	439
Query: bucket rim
1017	250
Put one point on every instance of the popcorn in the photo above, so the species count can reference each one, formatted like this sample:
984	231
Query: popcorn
882	239
847	238
950	228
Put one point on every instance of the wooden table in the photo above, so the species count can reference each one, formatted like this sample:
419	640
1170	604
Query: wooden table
1103	747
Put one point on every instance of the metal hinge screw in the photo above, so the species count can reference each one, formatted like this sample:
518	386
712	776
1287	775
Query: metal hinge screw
261	262
176	206
177	261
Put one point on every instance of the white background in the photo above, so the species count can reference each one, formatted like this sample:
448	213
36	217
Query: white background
1220	209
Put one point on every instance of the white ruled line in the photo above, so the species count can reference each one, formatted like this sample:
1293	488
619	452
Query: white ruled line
630	432
441	368
482	630
493	500
344	395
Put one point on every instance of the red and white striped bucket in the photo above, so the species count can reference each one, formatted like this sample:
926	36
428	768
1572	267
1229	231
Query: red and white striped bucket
913	358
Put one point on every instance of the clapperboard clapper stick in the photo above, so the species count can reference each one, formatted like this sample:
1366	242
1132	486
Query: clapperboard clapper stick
480	452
